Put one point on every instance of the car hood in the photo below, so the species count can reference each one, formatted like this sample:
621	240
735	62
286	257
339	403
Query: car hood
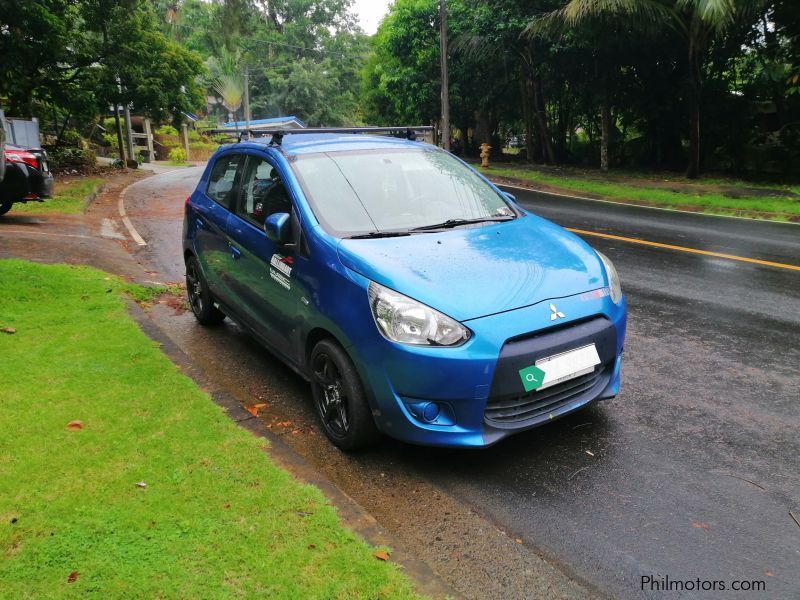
472	272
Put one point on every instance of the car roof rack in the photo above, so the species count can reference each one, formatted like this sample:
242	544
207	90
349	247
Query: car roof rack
408	132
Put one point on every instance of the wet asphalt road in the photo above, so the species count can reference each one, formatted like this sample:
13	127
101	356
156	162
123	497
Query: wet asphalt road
693	469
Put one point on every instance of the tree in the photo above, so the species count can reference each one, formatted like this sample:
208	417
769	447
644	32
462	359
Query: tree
81	57
697	21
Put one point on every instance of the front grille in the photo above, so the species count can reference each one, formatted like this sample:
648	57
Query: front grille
529	406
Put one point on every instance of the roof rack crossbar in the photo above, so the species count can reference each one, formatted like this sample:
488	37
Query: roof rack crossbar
277	133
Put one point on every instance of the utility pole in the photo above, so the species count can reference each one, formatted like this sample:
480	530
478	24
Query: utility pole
120	144
445	79
129	128
247	116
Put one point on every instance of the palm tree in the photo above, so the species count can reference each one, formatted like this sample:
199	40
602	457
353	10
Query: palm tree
227	79
697	21
230	87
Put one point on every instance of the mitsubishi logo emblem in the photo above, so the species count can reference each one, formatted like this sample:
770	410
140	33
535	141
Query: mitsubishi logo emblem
555	313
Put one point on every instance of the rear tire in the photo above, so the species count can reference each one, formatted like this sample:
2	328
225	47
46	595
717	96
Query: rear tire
340	399
199	297
5	206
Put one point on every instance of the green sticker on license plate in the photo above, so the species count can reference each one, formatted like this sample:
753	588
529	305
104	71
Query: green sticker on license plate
532	378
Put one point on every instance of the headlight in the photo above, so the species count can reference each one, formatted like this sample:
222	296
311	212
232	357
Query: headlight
402	319
613	278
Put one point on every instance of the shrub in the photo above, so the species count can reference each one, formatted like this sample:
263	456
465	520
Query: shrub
201	150
177	156
167	130
71	137
66	158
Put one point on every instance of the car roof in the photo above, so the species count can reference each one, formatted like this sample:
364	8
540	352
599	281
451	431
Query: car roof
331	142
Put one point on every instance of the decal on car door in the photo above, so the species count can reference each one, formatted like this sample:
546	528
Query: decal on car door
280	269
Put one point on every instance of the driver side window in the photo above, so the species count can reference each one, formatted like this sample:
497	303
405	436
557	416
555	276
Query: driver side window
263	192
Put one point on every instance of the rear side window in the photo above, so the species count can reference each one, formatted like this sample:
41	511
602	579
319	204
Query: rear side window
222	181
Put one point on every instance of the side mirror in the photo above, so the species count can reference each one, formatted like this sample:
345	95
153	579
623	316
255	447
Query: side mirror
511	197
278	228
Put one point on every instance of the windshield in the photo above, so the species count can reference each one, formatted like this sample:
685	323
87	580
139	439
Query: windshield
360	192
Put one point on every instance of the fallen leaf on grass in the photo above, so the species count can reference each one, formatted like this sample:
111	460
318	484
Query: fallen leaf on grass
382	555
699	525
141	484
8	330
72	577
74	425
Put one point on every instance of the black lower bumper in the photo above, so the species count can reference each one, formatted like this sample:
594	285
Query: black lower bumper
511	407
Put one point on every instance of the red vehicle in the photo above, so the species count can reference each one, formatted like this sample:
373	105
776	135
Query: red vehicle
27	176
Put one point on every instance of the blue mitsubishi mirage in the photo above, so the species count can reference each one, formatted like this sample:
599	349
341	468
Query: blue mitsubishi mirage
418	300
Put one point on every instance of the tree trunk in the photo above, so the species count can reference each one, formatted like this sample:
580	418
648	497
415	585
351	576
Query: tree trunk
527	114
541	120
693	168
605	131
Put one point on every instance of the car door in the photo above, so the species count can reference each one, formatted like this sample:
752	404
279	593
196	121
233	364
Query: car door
212	210
264	284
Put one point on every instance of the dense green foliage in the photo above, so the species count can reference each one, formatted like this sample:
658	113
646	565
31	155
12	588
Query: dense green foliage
694	84
76	58
303	56
631	79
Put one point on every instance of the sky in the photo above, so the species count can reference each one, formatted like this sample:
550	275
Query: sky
370	13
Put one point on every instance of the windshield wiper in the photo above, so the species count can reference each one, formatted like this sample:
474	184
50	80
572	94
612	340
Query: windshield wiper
377	234
456	222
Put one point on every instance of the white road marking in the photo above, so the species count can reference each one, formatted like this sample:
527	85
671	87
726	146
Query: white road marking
27	232
704	214
131	229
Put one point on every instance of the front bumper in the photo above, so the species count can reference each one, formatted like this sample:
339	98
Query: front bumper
472	395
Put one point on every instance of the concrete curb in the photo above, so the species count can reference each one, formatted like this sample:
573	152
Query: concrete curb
93	196
352	515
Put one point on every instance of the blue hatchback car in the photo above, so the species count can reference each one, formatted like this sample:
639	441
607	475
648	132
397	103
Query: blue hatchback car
418	299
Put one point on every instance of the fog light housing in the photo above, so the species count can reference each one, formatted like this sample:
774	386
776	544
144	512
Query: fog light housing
430	413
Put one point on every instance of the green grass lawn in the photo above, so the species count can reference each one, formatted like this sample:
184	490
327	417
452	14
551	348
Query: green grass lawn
217	519
774	206
69	197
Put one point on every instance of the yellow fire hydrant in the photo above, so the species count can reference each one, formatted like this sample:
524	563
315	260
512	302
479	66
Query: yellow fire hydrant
485	152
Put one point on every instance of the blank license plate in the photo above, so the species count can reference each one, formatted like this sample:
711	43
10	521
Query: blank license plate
568	365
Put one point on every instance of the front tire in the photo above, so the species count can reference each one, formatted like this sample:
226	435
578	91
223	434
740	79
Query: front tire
340	399
199	297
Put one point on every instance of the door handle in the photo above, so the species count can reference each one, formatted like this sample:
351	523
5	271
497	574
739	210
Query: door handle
200	223
235	253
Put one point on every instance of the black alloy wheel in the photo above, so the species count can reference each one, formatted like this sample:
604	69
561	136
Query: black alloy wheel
339	398
199	297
